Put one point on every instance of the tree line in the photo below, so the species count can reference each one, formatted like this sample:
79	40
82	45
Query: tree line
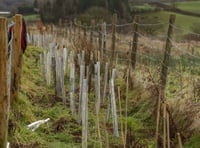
53	10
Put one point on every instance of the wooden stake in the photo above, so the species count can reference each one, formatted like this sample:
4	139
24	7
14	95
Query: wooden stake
4	103
158	119
54	74
70	31
98	127
126	107
104	40
168	131
116	60
90	71
179	140
79	30
107	137
74	29
100	36
120	112
135	41
85	31
114	21
164	125
16	57
165	63
92	32
105	81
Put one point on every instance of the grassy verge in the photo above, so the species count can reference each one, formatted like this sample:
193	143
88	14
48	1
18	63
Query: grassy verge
36	102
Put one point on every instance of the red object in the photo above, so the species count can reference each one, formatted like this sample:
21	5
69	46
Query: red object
23	35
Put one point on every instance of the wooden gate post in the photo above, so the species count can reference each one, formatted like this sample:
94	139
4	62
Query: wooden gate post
135	41
3	82
16	57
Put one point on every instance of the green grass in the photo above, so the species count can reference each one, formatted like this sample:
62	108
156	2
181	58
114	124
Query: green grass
144	7
193	142
33	104
63	131
192	6
34	17
183	21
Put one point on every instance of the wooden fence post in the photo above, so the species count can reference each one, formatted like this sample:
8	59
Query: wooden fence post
135	41
164	69
165	63
114	21
4	106
16	57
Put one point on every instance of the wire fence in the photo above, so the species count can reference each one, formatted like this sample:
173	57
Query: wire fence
147	48
92	43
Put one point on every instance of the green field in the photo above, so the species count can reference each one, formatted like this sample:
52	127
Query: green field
183	21
193	6
144	7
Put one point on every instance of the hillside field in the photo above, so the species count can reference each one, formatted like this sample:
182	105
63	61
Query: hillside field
192	6
183	21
